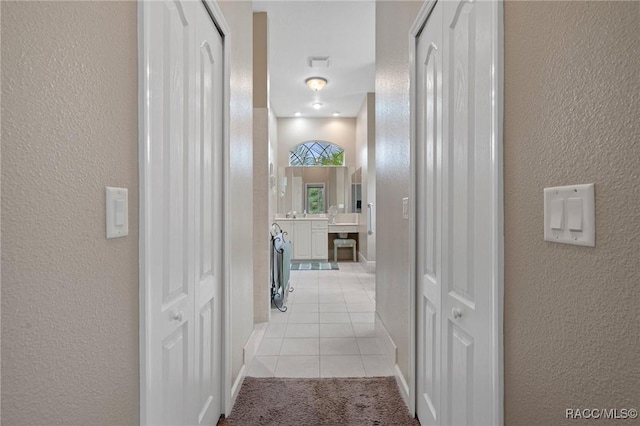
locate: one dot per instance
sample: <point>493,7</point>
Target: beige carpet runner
<point>310,402</point>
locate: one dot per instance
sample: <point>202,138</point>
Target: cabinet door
<point>302,240</point>
<point>319,242</point>
<point>287,227</point>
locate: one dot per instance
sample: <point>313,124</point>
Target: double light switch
<point>569,215</point>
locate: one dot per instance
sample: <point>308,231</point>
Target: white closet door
<point>208,219</point>
<point>429,221</point>
<point>181,214</point>
<point>470,219</point>
<point>459,241</point>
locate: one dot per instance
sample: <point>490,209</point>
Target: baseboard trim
<point>368,265</point>
<point>390,350</point>
<point>386,343</point>
<point>237,384</point>
<point>248,353</point>
<point>402,385</point>
<point>251,347</point>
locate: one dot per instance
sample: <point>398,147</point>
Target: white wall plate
<point>117,212</point>
<point>570,215</point>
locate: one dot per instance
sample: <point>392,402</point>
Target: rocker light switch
<point>119,212</point>
<point>574,214</point>
<point>557,214</point>
<point>117,206</point>
<point>569,215</point>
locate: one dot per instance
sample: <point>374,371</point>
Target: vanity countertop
<point>300,218</point>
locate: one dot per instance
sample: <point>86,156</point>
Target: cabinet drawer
<point>343,228</point>
<point>319,224</point>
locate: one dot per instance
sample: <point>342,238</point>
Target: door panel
<point>458,212</point>
<point>175,361</point>
<point>461,138</point>
<point>461,375</point>
<point>208,228</point>
<point>182,211</point>
<point>470,223</point>
<point>429,199</point>
<point>206,367</point>
<point>170,286</point>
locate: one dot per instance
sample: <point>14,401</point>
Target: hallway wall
<point>393,20</point>
<point>69,296</point>
<point>239,15</point>
<point>262,216</point>
<point>572,115</point>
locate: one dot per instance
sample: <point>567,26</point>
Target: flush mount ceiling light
<point>316,105</point>
<point>298,114</point>
<point>316,83</point>
<point>336,114</point>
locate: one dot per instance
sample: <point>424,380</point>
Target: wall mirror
<point>315,189</point>
<point>356,191</point>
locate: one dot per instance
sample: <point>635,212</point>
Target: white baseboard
<point>402,385</point>
<point>235,388</point>
<point>251,347</point>
<point>385,342</point>
<point>368,265</point>
<point>248,353</point>
<point>390,350</point>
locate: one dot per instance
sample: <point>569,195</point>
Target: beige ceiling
<point>341,30</point>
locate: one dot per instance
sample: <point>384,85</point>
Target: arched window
<point>316,153</point>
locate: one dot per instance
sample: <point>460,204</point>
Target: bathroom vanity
<point>308,236</point>
<point>312,236</point>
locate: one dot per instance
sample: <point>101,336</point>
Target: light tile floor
<point>327,331</point>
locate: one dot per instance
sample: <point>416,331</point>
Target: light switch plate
<point>117,212</point>
<point>577,204</point>
<point>405,208</point>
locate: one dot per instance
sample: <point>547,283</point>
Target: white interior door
<point>461,301</point>
<point>429,221</point>
<point>181,214</point>
<point>208,219</point>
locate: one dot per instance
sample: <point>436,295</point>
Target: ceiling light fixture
<point>298,114</point>
<point>316,105</point>
<point>316,83</point>
<point>336,114</point>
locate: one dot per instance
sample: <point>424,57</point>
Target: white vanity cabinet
<point>301,239</point>
<point>308,237</point>
<point>319,240</point>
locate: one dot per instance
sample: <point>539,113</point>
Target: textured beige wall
<point>260,63</point>
<point>261,218</point>
<point>261,190</point>
<point>572,115</point>
<point>0,238</point>
<point>393,20</point>
<point>239,15</point>
<point>69,296</point>
<point>294,131</point>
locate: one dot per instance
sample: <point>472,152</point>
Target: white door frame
<point>497,160</point>
<point>143,138</point>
